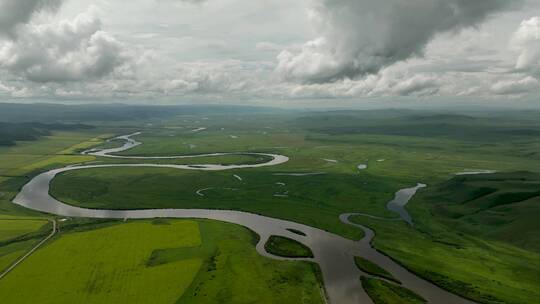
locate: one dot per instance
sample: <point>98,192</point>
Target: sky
<point>271,52</point>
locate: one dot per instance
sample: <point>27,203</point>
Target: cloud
<point>419,85</point>
<point>266,46</point>
<point>12,91</point>
<point>360,37</point>
<point>526,41</point>
<point>16,12</point>
<point>354,51</point>
<point>70,50</point>
<point>516,87</point>
<point>391,81</point>
<point>193,1</point>
<point>209,78</point>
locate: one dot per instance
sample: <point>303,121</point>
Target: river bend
<point>333,253</point>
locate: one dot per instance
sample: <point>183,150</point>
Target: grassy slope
<point>285,247</point>
<point>502,206</point>
<point>490,217</point>
<point>382,292</point>
<point>483,270</point>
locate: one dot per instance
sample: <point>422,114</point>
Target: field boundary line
<point>21,259</point>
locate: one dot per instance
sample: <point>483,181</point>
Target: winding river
<point>334,254</point>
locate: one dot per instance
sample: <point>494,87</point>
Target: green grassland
<point>17,235</point>
<point>479,236</point>
<point>21,229</point>
<point>50,151</point>
<point>106,265</point>
<point>11,133</point>
<point>28,158</point>
<point>237,159</point>
<point>502,207</point>
<point>233,266</point>
<point>111,143</point>
<point>14,228</point>
<point>400,150</point>
<point>481,244</point>
<point>315,200</point>
<point>222,258</point>
<point>496,214</point>
<point>288,248</point>
<point>158,261</point>
<point>373,269</point>
<point>382,292</point>
<point>9,253</point>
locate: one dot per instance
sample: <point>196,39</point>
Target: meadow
<point>485,270</point>
<point>500,206</point>
<point>55,150</point>
<point>17,235</point>
<point>382,292</point>
<point>399,149</point>
<point>285,247</point>
<point>21,229</point>
<point>106,265</point>
<point>14,228</point>
<point>237,159</point>
<point>232,266</point>
<point>160,261</point>
<point>26,159</point>
<point>373,269</point>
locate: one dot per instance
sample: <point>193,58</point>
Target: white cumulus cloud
<point>516,87</point>
<point>360,37</point>
<point>526,41</point>
<point>70,50</point>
